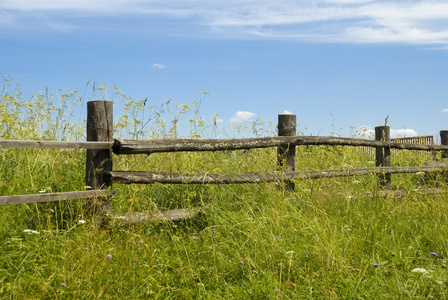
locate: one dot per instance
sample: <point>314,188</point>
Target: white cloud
<point>287,112</point>
<point>158,66</point>
<point>398,133</point>
<point>351,21</point>
<point>242,116</point>
<point>445,110</point>
<point>369,132</point>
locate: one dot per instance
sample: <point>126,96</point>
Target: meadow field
<point>337,238</point>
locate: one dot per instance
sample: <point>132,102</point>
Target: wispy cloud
<point>351,21</point>
<point>158,66</point>
<point>445,110</point>
<point>242,116</point>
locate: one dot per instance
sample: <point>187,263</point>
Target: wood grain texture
<point>47,197</point>
<point>55,145</point>
<point>156,146</point>
<point>99,129</point>
<point>160,216</point>
<point>129,177</point>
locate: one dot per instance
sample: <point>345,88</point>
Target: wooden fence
<point>286,152</point>
<point>100,146</point>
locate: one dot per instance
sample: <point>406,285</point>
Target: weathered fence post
<point>444,141</point>
<point>382,133</point>
<point>286,154</point>
<point>99,129</point>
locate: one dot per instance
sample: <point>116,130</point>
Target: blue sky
<point>334,63</point>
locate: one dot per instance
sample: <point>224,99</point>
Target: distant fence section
<point>100,146</point>
<point>420,140</point>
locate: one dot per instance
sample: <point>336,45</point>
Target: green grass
<point>253,241</point>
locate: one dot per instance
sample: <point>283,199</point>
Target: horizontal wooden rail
<point>55,145</point>
<point>129,177</point>
<point>160,216</point>
<point>34,198</point>
<point>154,146</point>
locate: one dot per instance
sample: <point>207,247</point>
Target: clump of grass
<point>331,238</point>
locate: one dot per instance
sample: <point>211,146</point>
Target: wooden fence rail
<point>141,177</point>
<point>35,198</point>
<point>157,146</point>
<point>55,145</point>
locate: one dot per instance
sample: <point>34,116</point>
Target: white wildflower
<point>81,222</point>
<point>45,190</point>
<point>419,270</point>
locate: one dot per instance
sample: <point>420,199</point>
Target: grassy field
<point>330,239</point>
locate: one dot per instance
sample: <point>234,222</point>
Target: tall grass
<point>330,239</point>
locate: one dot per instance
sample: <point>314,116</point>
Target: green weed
<point>333,238</point>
